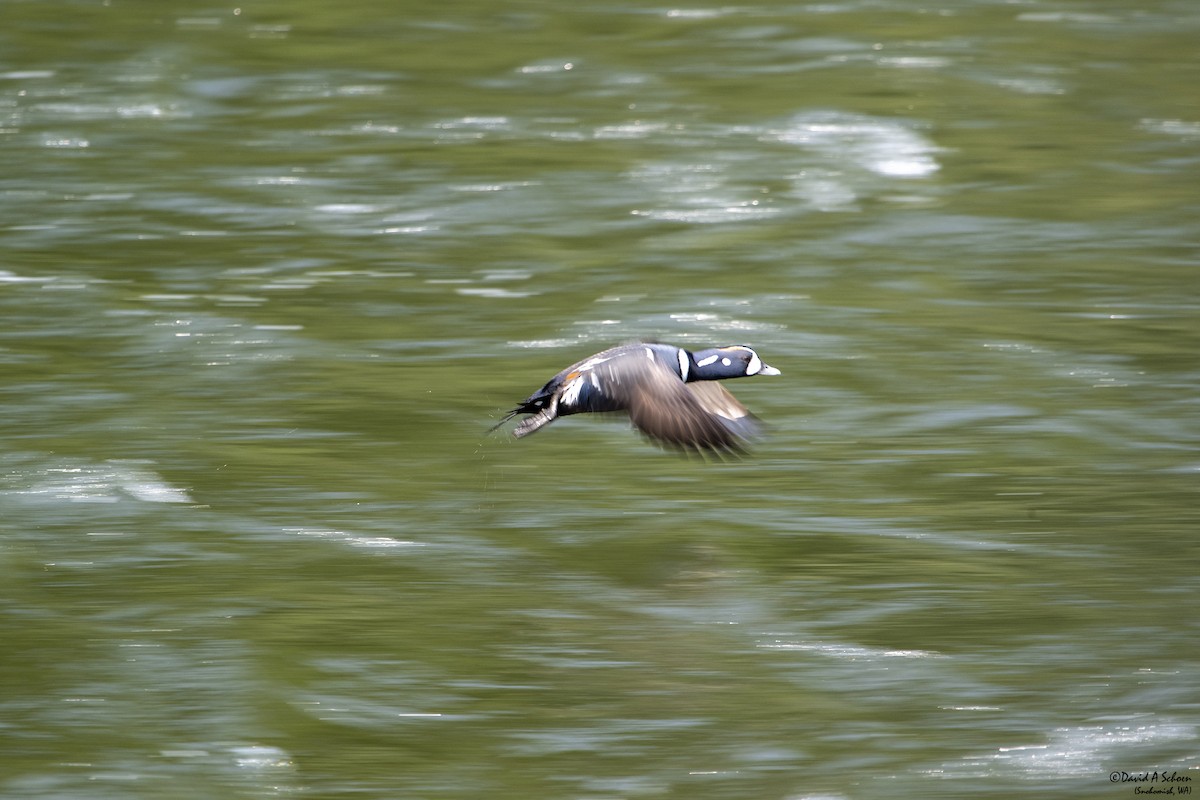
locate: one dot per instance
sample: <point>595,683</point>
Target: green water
<point>268,273</point>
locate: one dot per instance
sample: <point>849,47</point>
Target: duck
<point>672,395</point>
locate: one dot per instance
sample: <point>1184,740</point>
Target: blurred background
<point>269,272</point>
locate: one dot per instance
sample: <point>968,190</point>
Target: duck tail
<point>538,420</point>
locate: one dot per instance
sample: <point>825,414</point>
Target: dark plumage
<point>670,394</point>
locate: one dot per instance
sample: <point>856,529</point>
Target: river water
<point>268,274</point>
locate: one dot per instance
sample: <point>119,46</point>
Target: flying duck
<point>670,394</point>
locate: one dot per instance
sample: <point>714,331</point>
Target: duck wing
<point>692,416</point>
<point>720,402</point>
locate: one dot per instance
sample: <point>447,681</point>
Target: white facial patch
<point>726,361</point>
<point>704,362</point>
<point>755,364</point>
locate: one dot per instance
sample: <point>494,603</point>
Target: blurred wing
<point>720,402</point>
<point>700,416</point>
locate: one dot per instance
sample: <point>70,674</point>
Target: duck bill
<point>768,371</point>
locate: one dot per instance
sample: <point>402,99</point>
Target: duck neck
<point>700,365</point>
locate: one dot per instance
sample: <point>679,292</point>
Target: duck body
<point>670,393</point>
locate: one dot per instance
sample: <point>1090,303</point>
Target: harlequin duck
<point>670,394</point>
